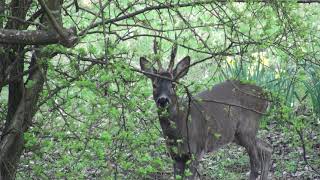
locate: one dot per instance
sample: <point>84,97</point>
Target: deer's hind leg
<point>249,142</point>
<point>264,151</point>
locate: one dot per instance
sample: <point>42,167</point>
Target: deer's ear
<point>146,66</point>
<point>182,68</point>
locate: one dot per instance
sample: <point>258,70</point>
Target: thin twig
<point>300,133</point>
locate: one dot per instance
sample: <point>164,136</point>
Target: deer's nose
<point>163,101</point>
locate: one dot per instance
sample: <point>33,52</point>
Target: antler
<point>155,51</point>
<point>173,56</point>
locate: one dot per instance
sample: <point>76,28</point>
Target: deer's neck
<point>168,122</point>
<point>173,131</point>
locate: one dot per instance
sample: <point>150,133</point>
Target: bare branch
<point>66,39</point>
<point>172,5</point>
<point>31,37</point>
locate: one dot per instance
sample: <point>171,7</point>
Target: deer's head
<point>164,95</point>
<point>163,81</point>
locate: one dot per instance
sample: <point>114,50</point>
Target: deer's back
<point>235,92</point>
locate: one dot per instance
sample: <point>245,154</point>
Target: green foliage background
<point>97,119</point>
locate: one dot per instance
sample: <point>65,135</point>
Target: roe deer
<point>229,112</point>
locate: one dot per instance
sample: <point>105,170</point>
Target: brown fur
<point>229,112</point>
<point>213,124</point>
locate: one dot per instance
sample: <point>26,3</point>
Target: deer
<point>229,112</point>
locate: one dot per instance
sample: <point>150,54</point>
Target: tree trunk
<point>22,101</point>
<point>2,65</point>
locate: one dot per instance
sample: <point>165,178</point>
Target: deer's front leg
<point>181,164</point>
<point>179,168</point>
<point>185,169</point>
